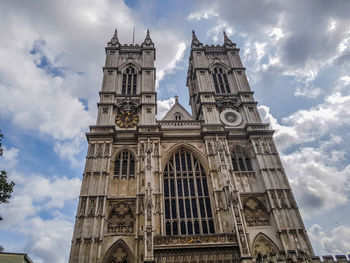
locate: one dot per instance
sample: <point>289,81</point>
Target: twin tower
<point>190,188</point>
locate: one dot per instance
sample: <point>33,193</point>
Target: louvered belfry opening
<point>186,196</point>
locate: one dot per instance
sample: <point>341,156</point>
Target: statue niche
<point>121,218</point>
<point>255,212</point>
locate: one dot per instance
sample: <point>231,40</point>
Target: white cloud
<point>48,240</point>
<point>60,54</point>
<point>171,66</point>
<point>164,106</point>
<point>318,183</point>
<point>308,92</point>
<point>337,242</point>
<point>9,158</point>
<point>204,14</point>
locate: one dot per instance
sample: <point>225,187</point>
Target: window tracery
<point>220,80</point>
<point>121,218</point>
<point>124,165</point>
<point>186,196</point>
<point>241,161</point>
<point>129,83</point>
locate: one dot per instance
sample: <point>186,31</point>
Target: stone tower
<point>206,187</point>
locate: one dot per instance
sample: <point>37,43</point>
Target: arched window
<point>186,196</point>
<point>129,81</point>
<point>240,161</point>
<point>178,116</point>
<point>220,80</point>
<point>124,164</point>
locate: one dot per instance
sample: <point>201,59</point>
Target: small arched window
<point>124,164</point>
<point>186,196</point>
<point>129,81</point>
<point>220,80</point>
<point>240,161</point>
<point>178,116</point>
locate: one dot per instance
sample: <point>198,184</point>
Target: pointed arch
<point>219,73</point>
<point>263,245</point>
<point>187,204</point>
<point>119,252</point>
<point>218,64</point>
<point>127,64</point>
<point>189,147</point>
<point>241,159</point>
<point>124,164</point>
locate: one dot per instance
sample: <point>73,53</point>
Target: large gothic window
<point>240,161</point>
<point>124,164</point>
<point>220,80</point>
<point>129,81</point>
<point>186,194</point>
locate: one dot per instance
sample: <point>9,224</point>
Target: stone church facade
<point>206,187</point>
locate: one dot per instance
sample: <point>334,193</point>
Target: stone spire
<point>114,41</point>
<point>148,40</point>
<point>227,41</point>
<point>195,41</point>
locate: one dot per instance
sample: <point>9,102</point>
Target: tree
<point>6,188</point>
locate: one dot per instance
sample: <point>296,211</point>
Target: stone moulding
<point>165,242</point>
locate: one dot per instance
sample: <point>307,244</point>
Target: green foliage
<point>6,188</point>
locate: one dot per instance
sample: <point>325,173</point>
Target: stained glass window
<point>186,195</point>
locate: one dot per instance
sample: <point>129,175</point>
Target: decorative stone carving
<point>227,103</point>
<point>148,202</point>
<point>263,246</point>
<point>255,212</point>
<point>290,198</point>
<point>282,198</point>
<point>274,199</point>
<point>119,253</point>
<point>107,150</point>
<point>141,206</point>
<point>127,105</point>
<point>99,150</point>
<point>149,238</point>
<point>210,147</point>
<point>121,217</point>
<point>202,239</point>
<point>156,149</point>
<point>100,206</point>
<point>91,150</point>
<point>82,206</point>
<point>92,206</point>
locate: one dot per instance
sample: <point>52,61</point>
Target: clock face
<point>231,117</point>
<point>126,119</point>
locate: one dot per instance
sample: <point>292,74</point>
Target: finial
<point>114,39</point>
<point>176,99</point>
<point>195,41</point>
<point>194,37</point>
<point>225,36</point>
<point>148,40</point>
<point>147,34</point>
<point>227,41</point>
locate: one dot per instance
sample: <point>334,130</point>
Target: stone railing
<point>257,127</point>
<point>113,229</point>
<point>195,240</point>
<point>183,124</point>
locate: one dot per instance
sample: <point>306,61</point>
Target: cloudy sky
<point>297,55</point>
